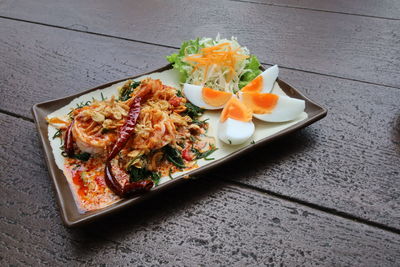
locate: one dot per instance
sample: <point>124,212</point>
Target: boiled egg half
<point>271,107</point>
<point>235,125</point>
<point>204,97</point>
<point>264,82</point>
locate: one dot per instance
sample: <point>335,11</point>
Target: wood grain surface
<point>352,155</point>
<point>321,42</point>
<point>42,63</point>
<point>328,195</point>
<point>387,9</point>
<point>354,150</point>
<point>202,222</point>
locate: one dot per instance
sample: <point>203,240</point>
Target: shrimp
<point>89,138</point>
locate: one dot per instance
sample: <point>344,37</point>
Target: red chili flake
<point>187,155</point>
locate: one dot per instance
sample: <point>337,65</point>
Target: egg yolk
<point>260,103</point>
<point>255,85</point>
<point>215,98</point>
<point>236,110</point>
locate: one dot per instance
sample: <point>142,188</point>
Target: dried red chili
<point>123,136</point>
<point>69,141</point>
<point>128,188</point>
<point>127,129</point>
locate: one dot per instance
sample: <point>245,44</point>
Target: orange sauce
<point>57,120</point>
<point>91,193</point>
<point>77,179</point>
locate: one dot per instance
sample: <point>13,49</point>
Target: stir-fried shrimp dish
<point>121,146</point>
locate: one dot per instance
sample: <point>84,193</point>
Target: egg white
<point>194,94</point>
<point>234,132</point>
<point>269,77</point>
<point>286,109</point>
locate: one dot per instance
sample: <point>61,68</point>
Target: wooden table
<point>327,195</point>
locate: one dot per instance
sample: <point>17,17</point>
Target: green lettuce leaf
<point>252,70</point>
<point>187,48</point>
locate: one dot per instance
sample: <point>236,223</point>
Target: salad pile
<point>220,74</point>
<point>221,64</point>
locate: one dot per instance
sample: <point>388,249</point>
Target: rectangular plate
<point>69,210</point>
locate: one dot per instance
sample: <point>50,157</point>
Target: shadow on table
<point>181,201</point>
<point>258,164</point>
<point>150,216</point>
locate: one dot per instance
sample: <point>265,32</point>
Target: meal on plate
<point>119,146</point>
<point>221,74</point>
<point>124,144</point>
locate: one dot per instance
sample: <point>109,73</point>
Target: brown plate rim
<point>83,218</point>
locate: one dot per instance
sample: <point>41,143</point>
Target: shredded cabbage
<point>223,77</point>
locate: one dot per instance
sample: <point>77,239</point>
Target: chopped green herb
<point>170,175</point>
<point>126,91</point>
<point>83,104</point>
<point>230,142</point>
<point>136,159</point>
<point>79,105</point>
<point>70,114</point>
<point>57,134</point>
<point>135,84</point>
<point>105,130</point>
<point>192,138</point>
<point>193,111</point>
<point>204,155</point>
<point>179,93</point>
<point>175,162</point>
<point>83,156</point>
<point>173,156</point>
<point>181,144</point>
<point>155,176</point>
<point>156,180</point>
<point>252,142</point>
<point>137,174</point>
<point>102,97</point>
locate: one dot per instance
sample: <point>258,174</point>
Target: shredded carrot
<point>57,120</point>
<point>221,55</point>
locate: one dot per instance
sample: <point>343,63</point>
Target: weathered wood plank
<point>201,222</point>
<point>348,161</point>
<point>354,47</point>
<point>384,9</point>
<point>42,63</point>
